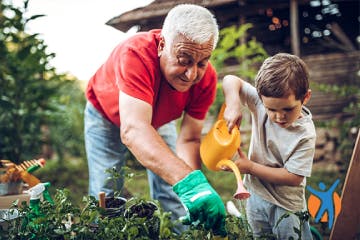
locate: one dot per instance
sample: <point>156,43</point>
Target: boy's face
<point>284,111</point>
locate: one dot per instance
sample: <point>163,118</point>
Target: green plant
<point>66,125</point>
<point>349,126</point>
<point>33,97</point>
<point>27,84</point>
<point>64,220</point>
<point>246,55</point>
<point>141,219</point>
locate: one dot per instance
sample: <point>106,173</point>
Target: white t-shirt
<point>291,148</point>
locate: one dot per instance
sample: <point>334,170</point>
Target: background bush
<point>40,110</point>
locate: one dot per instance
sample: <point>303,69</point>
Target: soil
<point>112,202</point>
<point>142,210</point>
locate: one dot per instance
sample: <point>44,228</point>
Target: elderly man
<point>148,81</point>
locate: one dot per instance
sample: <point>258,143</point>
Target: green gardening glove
<point>201,202</point>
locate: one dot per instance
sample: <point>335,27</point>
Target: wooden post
<point>347,224</point>
<point>294,26</point>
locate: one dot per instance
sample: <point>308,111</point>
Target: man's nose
<point>191,73</point>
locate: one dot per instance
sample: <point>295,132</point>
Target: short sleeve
<point>300,162</point>
<point>133,76</point>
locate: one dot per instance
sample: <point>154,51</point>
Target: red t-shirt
<point>134,68</point>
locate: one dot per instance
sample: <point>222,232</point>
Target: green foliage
<point>64,220</point>
<point>67,220</point>
<point>247,55</point>
<point>349,126</point>
<point>140,219</point>
<point>27,84</point>
<point>33,97</point>
<point>66,125</point>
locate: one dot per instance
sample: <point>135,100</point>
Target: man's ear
<point>161,45</point>
<point>307,97</point>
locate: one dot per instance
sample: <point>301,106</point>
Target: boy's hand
<point>243,163</point>
<point>232,116</point>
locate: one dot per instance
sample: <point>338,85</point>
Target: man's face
<point>183,63</point>
<point>284,111</point>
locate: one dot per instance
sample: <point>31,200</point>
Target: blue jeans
<point>263,217</point>
<point>105,150</point>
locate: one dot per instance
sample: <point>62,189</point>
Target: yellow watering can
<point>218,147</point>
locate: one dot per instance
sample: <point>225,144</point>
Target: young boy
<point>282,143</point>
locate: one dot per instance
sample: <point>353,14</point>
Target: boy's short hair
<point>282,75</point>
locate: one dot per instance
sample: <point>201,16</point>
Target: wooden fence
<point>334,69</point>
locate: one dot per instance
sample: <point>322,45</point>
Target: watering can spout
<point>241,193</point>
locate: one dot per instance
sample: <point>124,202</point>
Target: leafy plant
<point>234,49</point>
<point>34,99</point>
<point>27,84</point>
<point>140,219</point>
<point>231,50</point>
<point>349,126</point>
<point>66,124</point>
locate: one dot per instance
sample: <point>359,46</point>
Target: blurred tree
<point>31,100</point>
<point>66,129</point>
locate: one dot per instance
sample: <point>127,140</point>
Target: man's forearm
<point>189,152</point>
<point>153,153</point>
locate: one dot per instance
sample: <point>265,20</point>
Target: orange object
<point>314,204</point>
<point>218,147</point>
<point>28,178</point>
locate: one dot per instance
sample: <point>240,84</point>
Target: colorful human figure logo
<point>324,205</point>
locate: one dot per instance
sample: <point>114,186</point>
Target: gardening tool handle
<point>102,200</point>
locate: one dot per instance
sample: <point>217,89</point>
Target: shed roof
<point>148,16</point>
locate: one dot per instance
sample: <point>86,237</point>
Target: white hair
<point>194,22</point>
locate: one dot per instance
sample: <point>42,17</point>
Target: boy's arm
<point>279,176</point>
<point>231,87</point>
